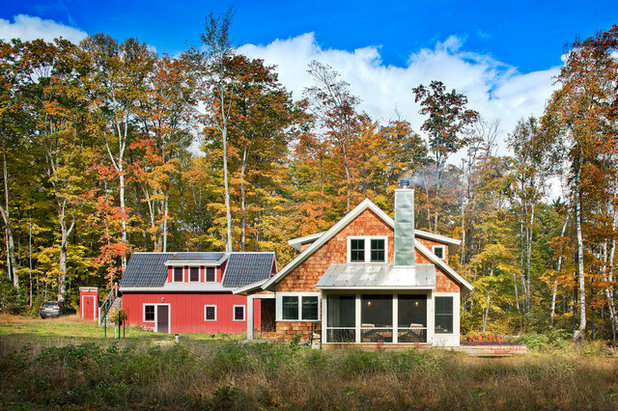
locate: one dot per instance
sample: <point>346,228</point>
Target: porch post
<point>250,300</point>
<point>430,318</point>
<point>357,320</point>
<point>324,316</point>
<point>395,318</point>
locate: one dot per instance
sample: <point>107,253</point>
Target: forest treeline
<point>108,148</point>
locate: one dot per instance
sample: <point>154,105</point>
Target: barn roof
<point>149,270</point>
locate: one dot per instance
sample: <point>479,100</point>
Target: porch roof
<point>378,276</point>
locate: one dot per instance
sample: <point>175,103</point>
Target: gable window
<point>149,313</point>
<point>377,250</point>
<point>357,250</point>
<point>444,315</point>
<point>367,249</point>
<point>299,307</point>
<point>438,250</point>
<point>194,274</point>
<point>239,313</point>
<point>210,274</point>
<point>178,274</point>
<point>210,313</point>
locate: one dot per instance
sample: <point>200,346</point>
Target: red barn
<point>192,292</point>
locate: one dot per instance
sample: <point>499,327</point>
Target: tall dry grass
<point>232,375</point>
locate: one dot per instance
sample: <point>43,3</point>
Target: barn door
<point>163,319</point>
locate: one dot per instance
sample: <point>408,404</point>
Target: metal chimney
<point>404,225</point>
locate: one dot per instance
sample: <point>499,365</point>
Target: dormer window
<point>210,274</point>
<point>367,249</point>
<point>194,274</point>
<point>438,250</point>
<point>178,274</point>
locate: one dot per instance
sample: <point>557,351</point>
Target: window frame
<point>154,313</point>
<point>244,311</point>
<point>207,306</point>
<point>182,270</point>
<point>214,275</point>
<point>191,273</point>
<point>442,247</point>
<point>452,314</point>
<point>367,240</point>
<point>300,296</point>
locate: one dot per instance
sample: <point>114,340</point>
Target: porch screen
<point>377,318</point>
<point>341,315</point>
<point>412,318</point>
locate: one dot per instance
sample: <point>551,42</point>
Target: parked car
<point>56,309</point>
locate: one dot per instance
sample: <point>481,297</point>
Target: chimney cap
<point>404,183</point>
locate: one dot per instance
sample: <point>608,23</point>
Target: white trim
<point>297,243</point>
<point>436,237</point>
<point>300,295</point>
<point>249,287</point>
<point>348,218</point>
<point>368,239</point>
<point>94,305</point>
<point>144,320</point>
<point>210,305</point>
<point>442,247</point>
<point>244,309</point>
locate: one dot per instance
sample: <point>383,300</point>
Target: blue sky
<point>529,35</point>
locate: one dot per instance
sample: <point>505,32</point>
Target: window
<point>377,250</point>
<point>290,308</point>
<point>299,307</point>
<point>357,250</point>
<point>444,315</point>
<point>210,274</point>
<point>149,313</point>
<point>239,313</point>
<point>310,308</point>
<point>438,250</point>
<point>412,318</point>
<point>178,274</point>
<point>210,313</point>
<point>195,274</point>
<point>367,250</point>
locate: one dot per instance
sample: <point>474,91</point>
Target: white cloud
<point>497,90</point>
<point>28,28</point>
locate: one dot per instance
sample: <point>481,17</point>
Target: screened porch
<point>375,318</point>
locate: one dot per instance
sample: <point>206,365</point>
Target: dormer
<point>196,268</point>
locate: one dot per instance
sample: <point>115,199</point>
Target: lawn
<point>66,363</point>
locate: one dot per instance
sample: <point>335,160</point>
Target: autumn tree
<point>448,116</point>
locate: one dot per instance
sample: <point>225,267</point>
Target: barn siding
<point>187,311</point>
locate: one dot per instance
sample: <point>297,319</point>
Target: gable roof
<point>247,268</point>
<point>148,271</point>
<point>367,204</point>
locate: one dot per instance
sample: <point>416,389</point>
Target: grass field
<point>66,363</point>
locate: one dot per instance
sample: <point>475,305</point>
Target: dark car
<point>56,309</point>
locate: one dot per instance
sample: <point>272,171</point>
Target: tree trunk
<point>228,213</point>
<point>609,291</point>
<point>6,217</point>
<point>243,211</point>
<point>580,252</point>
<point>65,232</point>
<point>558,268</point>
